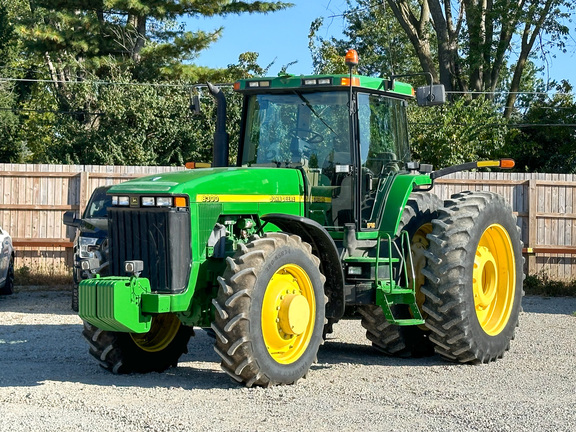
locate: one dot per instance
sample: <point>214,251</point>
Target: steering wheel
<point>312,137</point>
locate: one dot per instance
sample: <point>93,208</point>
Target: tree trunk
<point>416,31</point>
<point>528,39</point>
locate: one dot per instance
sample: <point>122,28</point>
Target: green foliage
<point>92,59</point>
<point>146,36</point>
<point>541,284</point>
<point>128,123</point>
<point>372,30</point>
<point>545,141</point>
<point>458,132</point>
<point>10,147</point>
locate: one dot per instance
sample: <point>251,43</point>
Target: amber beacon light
<point>351,58</point>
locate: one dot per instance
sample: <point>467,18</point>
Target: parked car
<point>6,263</point>
<point>91,242</point>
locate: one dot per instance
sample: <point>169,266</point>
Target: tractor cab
<point>348,137</point>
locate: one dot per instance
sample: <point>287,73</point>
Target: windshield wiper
<point>311,108</point>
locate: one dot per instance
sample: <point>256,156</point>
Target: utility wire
<point>47,81</point>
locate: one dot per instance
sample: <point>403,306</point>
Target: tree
<point>11,148</point>
<point>478,46</point>
<point>73,47</point>
<point>458,132</point>
<point>133,123</point>
<point>546,139</point>
<point>374,33</point>
<point>474,38</point>
<point>72,38</point>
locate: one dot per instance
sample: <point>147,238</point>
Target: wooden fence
<point>34,198</point>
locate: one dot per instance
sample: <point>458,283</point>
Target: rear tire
<point>475,273</point>
<point>406,341</point>
<point>270,311</point>
<point>155,351</point>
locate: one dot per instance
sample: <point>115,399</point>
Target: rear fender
<point>397,198</point>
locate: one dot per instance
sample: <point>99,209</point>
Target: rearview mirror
<point>431,95</point>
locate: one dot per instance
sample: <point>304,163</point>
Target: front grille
<point>160,237</point>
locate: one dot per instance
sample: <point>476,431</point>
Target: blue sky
<point>282,37</point>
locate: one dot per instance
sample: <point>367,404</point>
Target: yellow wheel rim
<point>288,314</point>
<point>494,279</point>
<point>162,331</point>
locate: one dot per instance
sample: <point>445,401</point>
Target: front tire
<point>475,273</point>
<point>155,351</point>
<point>270,311</point>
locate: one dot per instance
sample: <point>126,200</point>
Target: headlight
<point>84,244</point>
<point>164,201</point>
<point>148,202</point>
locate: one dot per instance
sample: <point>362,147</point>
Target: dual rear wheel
<point>468,267</point>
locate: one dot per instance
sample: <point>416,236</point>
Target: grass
<point>43,275</point>
<point>542,285</point>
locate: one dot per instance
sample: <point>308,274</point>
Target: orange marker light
<point>179,202</point>
<point>351,58</point>
<point>237,85</point>
<point>507,163</point>
<point>346,81</point>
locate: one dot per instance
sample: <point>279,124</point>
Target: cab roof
<point>322,83</point>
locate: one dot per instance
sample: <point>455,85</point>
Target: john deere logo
<point>134,202</point>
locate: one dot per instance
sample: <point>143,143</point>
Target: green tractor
<point>323,217</point>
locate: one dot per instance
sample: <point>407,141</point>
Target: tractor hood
<point>221,184</point>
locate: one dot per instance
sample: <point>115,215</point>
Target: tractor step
<point>387,297</point>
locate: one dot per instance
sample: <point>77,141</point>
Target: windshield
<point>98,205</point>
<point>298,128</point>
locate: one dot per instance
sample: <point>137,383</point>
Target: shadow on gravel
<point>33,354</point>
<point>334,352</point>
<point>45,302</point>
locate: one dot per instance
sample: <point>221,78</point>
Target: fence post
<point>84,192</point>
<point>532,223</point>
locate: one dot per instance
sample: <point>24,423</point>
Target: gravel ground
<point>48,382</point>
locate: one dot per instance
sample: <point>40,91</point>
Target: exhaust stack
<point>221,137</point>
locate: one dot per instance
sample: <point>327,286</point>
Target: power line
<point>46,111</point>
<point>500,93</point>
<point>47,81</point>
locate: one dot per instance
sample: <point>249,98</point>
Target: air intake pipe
<point>221,137</point>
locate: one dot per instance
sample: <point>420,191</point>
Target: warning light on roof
<point>351,58</point>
